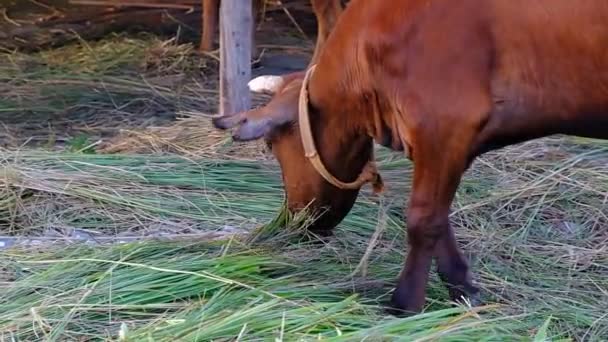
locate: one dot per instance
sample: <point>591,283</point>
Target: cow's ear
<point>256,123</point>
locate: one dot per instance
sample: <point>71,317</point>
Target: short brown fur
<point>445,81</point>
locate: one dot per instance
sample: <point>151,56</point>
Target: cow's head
<point>344,156</point>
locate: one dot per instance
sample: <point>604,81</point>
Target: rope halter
<point>368,174</point>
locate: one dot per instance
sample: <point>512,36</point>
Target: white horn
<point>268,84</point>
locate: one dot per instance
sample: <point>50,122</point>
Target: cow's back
<point>543,62</point>
<point>552,53</point>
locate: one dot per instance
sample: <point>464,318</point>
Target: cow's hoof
<point>404,305</point>
<point>471,296</point>
<point>392,310</point>
<point>466,293</point>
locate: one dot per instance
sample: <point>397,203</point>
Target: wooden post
<point>236,23</point>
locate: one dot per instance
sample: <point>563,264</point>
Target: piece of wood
<point>142,4</point>
<point>236,23</point>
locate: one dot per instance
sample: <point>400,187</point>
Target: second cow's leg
<point>209,18</point>
<point>256,6</point>
<point>437,173</point>
<point>327,13</point>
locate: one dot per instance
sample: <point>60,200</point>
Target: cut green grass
<point>210,292</point>
<point>531,217</point>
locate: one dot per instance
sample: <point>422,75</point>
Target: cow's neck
<point>340,137</point>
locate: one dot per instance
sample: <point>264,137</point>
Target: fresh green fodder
<point>206,291</point>
<point>531,218</point>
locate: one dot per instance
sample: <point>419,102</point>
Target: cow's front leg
<point>454,270</point>
<point>440,159</point>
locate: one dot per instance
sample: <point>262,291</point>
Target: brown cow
<point>326,11</point>
<point>444,81</point>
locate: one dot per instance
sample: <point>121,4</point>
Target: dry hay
<point>191,137</point>
<point>96,89</point>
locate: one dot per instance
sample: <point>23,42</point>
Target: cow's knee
<point>425,227</point>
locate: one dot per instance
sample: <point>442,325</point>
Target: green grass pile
<point>532,219</point>
<point>114,192</point>
<point>203,291</point>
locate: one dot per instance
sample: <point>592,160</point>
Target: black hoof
<point>469,294</point>
<point>392,310</point>
<point>322,233</point>
<point>403,305</point>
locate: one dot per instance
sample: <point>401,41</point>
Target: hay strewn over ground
<point>193,137</point>
<point>532,218</point>
<point>110,142</point>
<point>97,88</point>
